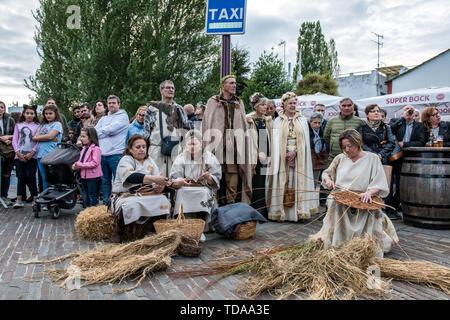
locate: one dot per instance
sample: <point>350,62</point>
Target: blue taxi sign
<point>226,16</point>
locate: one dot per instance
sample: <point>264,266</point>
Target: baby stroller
<point>64,188</point>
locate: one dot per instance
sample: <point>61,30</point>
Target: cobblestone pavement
<point>24,238</point>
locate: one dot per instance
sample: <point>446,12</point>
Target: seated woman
<point>434,127</point>
<point>196,176</point>
<point>356,170</point>
<point>137,169</point>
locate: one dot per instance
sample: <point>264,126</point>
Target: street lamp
<point>283,43</point>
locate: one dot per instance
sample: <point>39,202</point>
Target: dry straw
<point>433,275</point>
<point>115,263</point>
<point>96,223</point>
<point>341,272</point>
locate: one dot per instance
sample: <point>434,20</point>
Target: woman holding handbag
<point>377,136</point>
<point>6,151</point>
<point>291,193</point>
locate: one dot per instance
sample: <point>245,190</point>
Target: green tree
<point>314,55</point>
<point>123,47</point>
<point>314,83</point>
<point>268,78</point>
<point>240,67</point>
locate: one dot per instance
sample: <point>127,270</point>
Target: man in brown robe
<point>225,134</point>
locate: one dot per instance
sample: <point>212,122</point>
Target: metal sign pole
<point>226,55</point>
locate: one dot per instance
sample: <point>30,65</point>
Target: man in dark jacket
<point>409,133</point>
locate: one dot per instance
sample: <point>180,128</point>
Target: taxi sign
<point>226,16</point>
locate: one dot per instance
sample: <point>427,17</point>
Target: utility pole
<point>283,43</point>
<point>380,44</point>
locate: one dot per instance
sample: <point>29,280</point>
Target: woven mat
<point>351,199</point>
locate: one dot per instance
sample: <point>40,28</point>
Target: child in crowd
<point>71,133</point>
<point>48,135</point>
<point>89,165</point>
<point>25,149</point>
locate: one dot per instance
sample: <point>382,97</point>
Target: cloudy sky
<point>413,30</point>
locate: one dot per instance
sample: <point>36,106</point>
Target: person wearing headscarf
<point>291,165</point>
<point>260,129</point>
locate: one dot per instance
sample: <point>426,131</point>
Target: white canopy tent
<point>418,98</point>
<point>306,104</point>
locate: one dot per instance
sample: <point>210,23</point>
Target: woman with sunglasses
<point>377,136</point>
<point>431,119</point>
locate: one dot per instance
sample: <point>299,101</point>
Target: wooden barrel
<point>425,187</point>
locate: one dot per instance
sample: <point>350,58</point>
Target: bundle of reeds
<point>116,262</point>
<point>96,223</point>
<point>421,272</point>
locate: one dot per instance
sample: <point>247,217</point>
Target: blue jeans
<point>90,191</point>
<point>109,167</point>
<point>42,173</point>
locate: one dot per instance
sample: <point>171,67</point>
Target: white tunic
<point>301,177</point>
<point>342,224</point>
<point>137,206</point>
<point>196,199</point>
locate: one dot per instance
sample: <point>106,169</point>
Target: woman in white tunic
<point>291,165</point>
<point>356,170</point>
<point>136,169</point>
<point>191,168</point>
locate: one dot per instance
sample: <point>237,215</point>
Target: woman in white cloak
<point>137,169</point>
<point>356,170</point>
<point>196,176</point>
<point>291,165</point>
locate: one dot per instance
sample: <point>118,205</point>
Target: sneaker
<point>18,204</point>
<point>7,201</point>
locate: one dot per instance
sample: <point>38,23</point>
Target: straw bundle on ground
<point>335,273</point>
<point>96,223</point>
<point>432,275</point>
<point>115,263</point>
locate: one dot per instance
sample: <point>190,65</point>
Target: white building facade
<point>432,73</point>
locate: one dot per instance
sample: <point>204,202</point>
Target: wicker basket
<point>351,199</point>
<point>246,231</point>
<point>190,227</point>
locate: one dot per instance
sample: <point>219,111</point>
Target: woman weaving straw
<point>196,175</point>
<point>291,166</point>
<point>131,201</point>
<point>356,170</point>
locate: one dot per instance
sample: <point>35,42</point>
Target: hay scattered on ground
<point>421,272</point>
<point>335,273</point>
<point>96,223</point>
<point>115,263</point>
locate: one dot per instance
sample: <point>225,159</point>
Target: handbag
<point>289,196</point>
<point>319,160</point>
<point>7,150</point>
<point>167,144</point>
<point>397,153</point>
